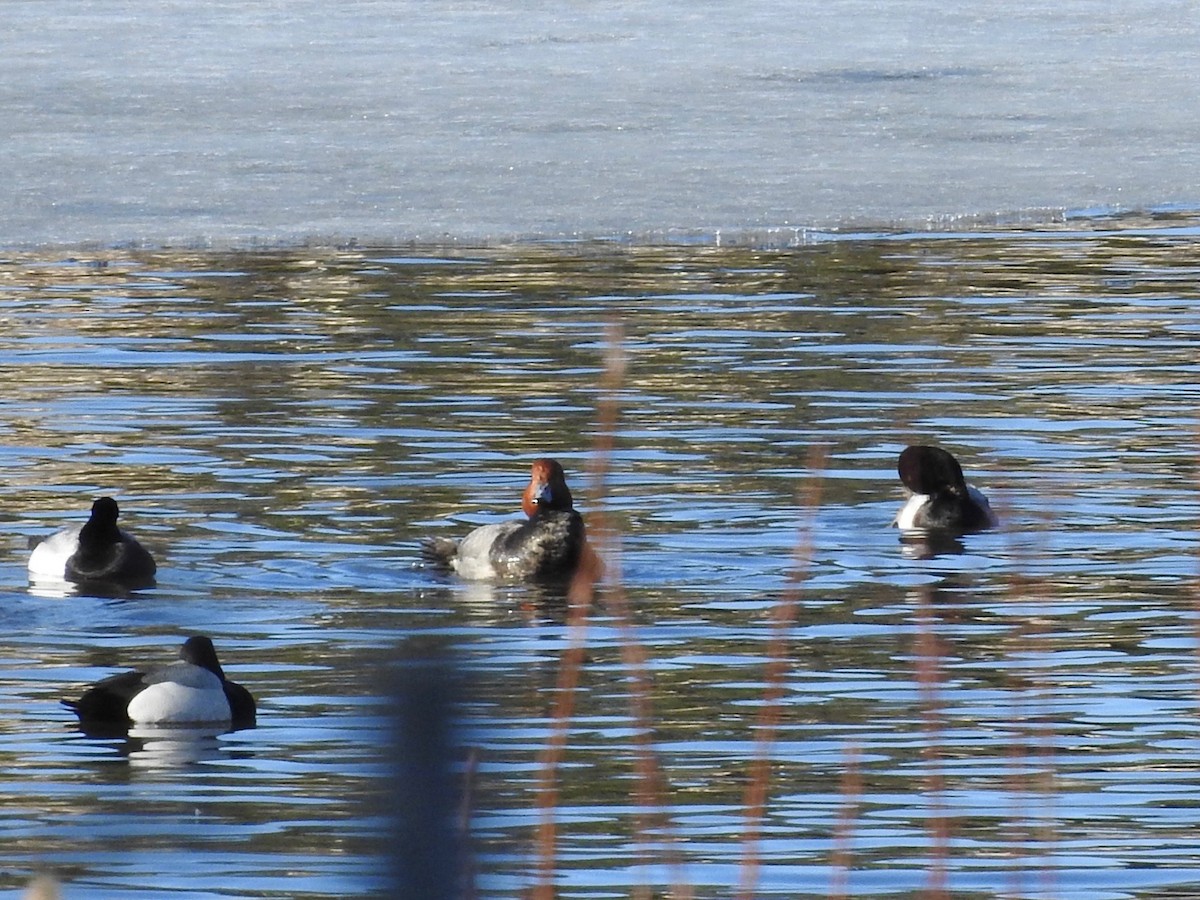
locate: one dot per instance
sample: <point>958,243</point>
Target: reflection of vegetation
<point>316,377</point>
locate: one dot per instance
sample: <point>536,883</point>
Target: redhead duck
<point>942,500</point>
<point>190,692</point>
<point>96,552</point>
<point>546,545</point>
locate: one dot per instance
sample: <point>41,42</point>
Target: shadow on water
<point>284,428</point>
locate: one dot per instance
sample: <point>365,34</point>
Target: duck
<point>192,691</point>
<point>95,552</point>
<point>941,498</point>
<point>548,544</point>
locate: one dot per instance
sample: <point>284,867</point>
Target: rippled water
<point>282,428</point>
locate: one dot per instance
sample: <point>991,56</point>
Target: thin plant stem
<point>783,614</point>
<point>1031,755</point>
<point>562,713</point>
<point>650,785</point>
<point>470,889</point>
<point>928,662</point>
<point>850,789</point>
<point>601,563</point>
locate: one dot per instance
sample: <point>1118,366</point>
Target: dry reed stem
<point>650,784</point>
<point>1019,754</point>
<point>778,665</point>
<point>42,887</point>
<point>928,659</point>
<point>602,561</point>
<point>850,787</point>
<point>469,778</point>
<point>562,712</point>
<point>1037,745</point>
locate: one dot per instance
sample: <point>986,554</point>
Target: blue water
<point>281,428</point>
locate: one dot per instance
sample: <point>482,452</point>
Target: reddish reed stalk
<point>650,784</point>
<point>1037,745</point>
<point>929,657</point>
<point>778,666</point>
<point>603,561</point>
<point>551,756</point>
<point>850,789</point>
<point>1019,754</point>
<point>562,713</point>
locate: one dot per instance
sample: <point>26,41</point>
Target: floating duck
<point>941,498</point>
<point>192,691</point>
<point>548,544</point>
<point>97,552</point>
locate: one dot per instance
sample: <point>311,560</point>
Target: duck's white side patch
<point>906,518</point>
<point>474,557</point>
<point>49,558</point>
<point>200,697</point>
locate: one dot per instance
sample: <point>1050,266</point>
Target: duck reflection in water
<point>169,746</point>
<point>534,602</point>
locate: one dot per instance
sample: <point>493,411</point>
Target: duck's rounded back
<point>97,553</point>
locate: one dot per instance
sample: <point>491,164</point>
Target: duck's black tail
<point>438,552</point>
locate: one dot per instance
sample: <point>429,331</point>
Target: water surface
<point>283,427</point>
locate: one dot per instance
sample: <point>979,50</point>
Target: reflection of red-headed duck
<point>548,544</point>
<point>942,500</point>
